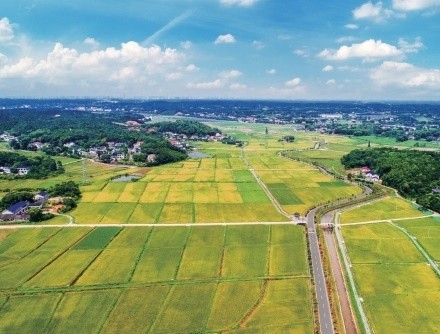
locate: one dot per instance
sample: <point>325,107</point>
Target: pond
<point>126,178</point>
<point>198,155</point>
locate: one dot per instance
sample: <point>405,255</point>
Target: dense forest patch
<point>413,173</point>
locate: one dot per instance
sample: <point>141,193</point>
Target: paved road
<point>344,299</point>
<point>324,312</point>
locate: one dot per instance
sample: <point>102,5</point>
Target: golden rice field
<point>400,291</point>
<point>297,186</point>
<point>237,279</point>
<point>383,209</point>
<point>209,190</point>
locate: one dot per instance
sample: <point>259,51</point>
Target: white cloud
<point>6,30</point>
<point>352,26</point>
<point>207,85</point>
<point>3,58</point>
<point>271,71</point>
<point>237,86</point>
<point>230,74</point>
<point>243,3</point>
<point>327,68</point>
<point>369,49</point>
<point>410,5</point>
<point>293,83</point>
<point>405,75</point>
<point>186,45</point>
<point>173,76</point>
<point>91,42</point>
<point>303,52</point>
<point>125,73</point>
<point>228,38</point>
<point>296,92</point>
<point>129,64</point>
<point>346,39</point>
<point>370,11</point>
<point>284,37</point>
<point>348,68</point>
<point>410,48</point>
<point>258,45</point>
<point>220,82</point>
<point>331,82</point>
<point>192,68</point>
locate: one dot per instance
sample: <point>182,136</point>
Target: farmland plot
<point>398,288</point>
<point>162,279</point>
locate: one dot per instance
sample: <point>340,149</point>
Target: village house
<point>69,145</point>
<point>9,170</point>
<point>41,196</point>
<point>17,211</point>
<point>36,144</point>
<point>6,137</point>
<point>20,210</point>
<point>5,170</point>
<point>23,171</point>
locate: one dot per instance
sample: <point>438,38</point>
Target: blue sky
<point>271,49</point>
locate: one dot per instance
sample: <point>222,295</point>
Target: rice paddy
<point>384,209</point>
<point>194,191</point>
<point>159,279</point>
<point>185,279</point>
<point>398,287</point>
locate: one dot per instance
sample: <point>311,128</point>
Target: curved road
<point>324,311</point>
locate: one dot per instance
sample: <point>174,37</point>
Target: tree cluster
<point>187,127</point>
<point>85,129</point>
<point>39,166</point>
<point>14,197</point>
<point>65,189</point>
<point>413,173</point>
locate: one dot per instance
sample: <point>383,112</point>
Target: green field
<point>427,232</point>
<point>209,190</point>
<point>297,186</point>
<point>400,291</point>
<point>215,279</point>
<point>161,280</point>
<point>387,208</point>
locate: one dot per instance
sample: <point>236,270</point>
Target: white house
<point>23,171</point>
<point>5,170</point>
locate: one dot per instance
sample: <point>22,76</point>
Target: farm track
<point>387,220</point>
<point>265,189</point>
<point>126,285</point>
<point>22,226</point>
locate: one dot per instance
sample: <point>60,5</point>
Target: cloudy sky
<point>275,49</point>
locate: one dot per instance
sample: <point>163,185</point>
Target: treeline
<point>187,127</point>
<point>39,167</point>
<point>413,173</point>
<point>55,129</point>
<point>376,130</point>
<point>85,129</point>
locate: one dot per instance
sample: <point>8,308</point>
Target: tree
<point>66,189</point>
<point>139,157</point>
<point>289,138</point>
<point>105,158</point>
<point>69,204</point>
<point>14,197</point>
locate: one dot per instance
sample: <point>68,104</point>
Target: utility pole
<point>84,172</point>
